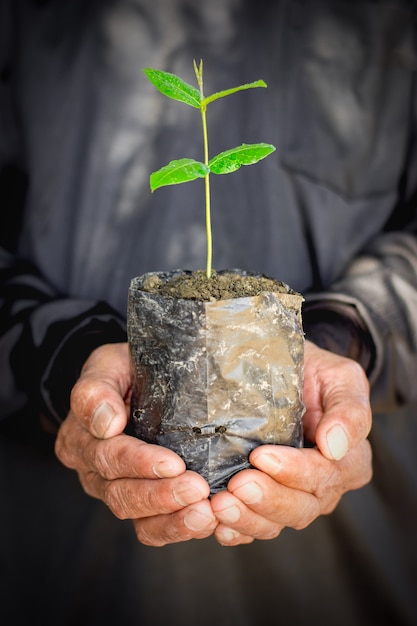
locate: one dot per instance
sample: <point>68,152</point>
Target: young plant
<point>185,170</point>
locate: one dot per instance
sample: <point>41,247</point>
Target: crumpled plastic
<point>214,380</point>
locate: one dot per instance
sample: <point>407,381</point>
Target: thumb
<point>338,415</point>
<point>100,397</point>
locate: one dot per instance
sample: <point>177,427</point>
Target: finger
<point>100,396</point>
<point>130,498</point>
<point>194,522</point>
<point>347,415</point>
<point>309,471</point>
<point>295,491</point>
<point>239,523</point>
<point>336,393</point>
<point>266,506</point>
<point>121,456</point>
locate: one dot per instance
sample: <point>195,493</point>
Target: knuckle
<point>363,420</point>
<point>63,452</point>
<point>328,482</point>
<point>78,393</point>
<point>88,483</point>
<point>106,456</point>
<point>116,499</point>
<point>133,498</point>
<point>59,449</point>
<point>147,539</point>
<point>160,533</point>
<point>365,475</point>
<point>114,459</point>
<point>85,396</point>
<point>357,371</point>
<point>308,513</point>
<point>155,498</point>
<point>102,463</point>
<point>331,505</point>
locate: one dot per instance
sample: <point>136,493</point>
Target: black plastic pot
<point>214,380</point>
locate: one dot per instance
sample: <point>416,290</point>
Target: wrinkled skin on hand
<point>150,485</point>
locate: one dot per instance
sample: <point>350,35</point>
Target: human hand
<point>139,481</point>
<point>295,486</point>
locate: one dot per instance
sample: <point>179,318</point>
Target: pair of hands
<point>167,503</point>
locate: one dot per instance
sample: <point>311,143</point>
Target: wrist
<point>66,364</point>
<point>338,327</point>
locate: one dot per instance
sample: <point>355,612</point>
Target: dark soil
<point>220,286</point>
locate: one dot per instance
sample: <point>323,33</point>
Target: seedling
<point>185,170</point>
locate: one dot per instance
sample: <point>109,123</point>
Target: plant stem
<point>207,193</point>
<point>203,108</point>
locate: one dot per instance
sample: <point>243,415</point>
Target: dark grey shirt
<point>331,212</point>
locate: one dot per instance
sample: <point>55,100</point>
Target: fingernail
<point>337,442</point>
<point>230,515</point>
<point>227,535</point>
<point>101,419</point>
<point>251,493</point>
<point>165,469</point>
<point>195,520</point>
<point>187,495</point>
<point>268,463</point>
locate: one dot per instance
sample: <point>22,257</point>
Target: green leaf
<point>228,92</point>
<point>246,154</point>
<point>174,87</point>
<point>180,171</point>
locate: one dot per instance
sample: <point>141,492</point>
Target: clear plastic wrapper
<point>214,380</point>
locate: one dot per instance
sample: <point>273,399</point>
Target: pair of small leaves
<point>174,87</point>
<point>185,170</point>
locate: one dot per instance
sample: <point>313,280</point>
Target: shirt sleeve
<point>44,340</point>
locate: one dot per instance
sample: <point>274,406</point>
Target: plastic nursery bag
<point>214,380</point>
